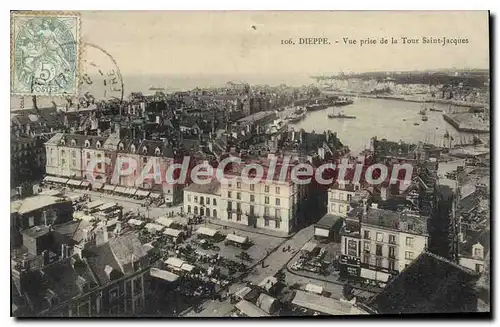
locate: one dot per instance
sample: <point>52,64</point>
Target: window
<point>392,252</point>
<point>132,148</point>
<point>409,255</point>
<point>366,259</point>
<point>99,162</point>
<point>121,146</point>
<point>378,262</point>
<point>214,201</point>
<point>189,209</point>
<point>349,197</point>
<point>238,207</point>
<point>31,221</point>
<point>195,210</point>
<point>367,247</point>
<point>266,188</point>
<point>367,234</point>
<point>252,210</point>
<point>229,194</point>
<point>277,190</point>
<point>215,213</point>
<point>87,143</point>
<point>195,199</point>
<point>238,217</point>
<point>73,143</point>
<point>252,187</point>
<point>479,267</point>
<point>252,198</point>
<point>277,202</point>
<point>278,223</point>
<point>202,202</point>
<point>98,145</point>
<point>409,241</point>
<point>229,206</point>
<point>391,265</point>
<point>378,249</point>
<point>266,222</point>
<point>113,294</point>
<point>238,196</point>
<point>380,237</point>
<point>477,252</point>
<point>392,239</point>
<point>266,200</point>
<point>157,151</point>
<point>238,185</point>
<point>266,211</point>
<point>277,213</point>
<point>137,286</point>
<point>189,197</point>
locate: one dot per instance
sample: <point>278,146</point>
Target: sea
<point>393,120</point>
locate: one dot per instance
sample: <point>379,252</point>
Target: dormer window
<point>73,142</point>
<point>98,145</point>
<point>87,143</point>
<point>477,250</point>
<point>145,150</point>
<point>132,148</point>
<point>157,151</point>
<point>120,146</point>
<point>63,142</point>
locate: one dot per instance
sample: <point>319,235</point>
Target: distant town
<point>128,246</point>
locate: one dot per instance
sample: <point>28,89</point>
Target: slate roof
<point>430,284</point>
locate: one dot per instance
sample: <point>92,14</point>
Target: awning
<point>165,221</point>
<point>266,302</point>
<point>135,222</point>
<point>142,193</point>
<point>154,227</point>
<point>206,231</point>
<point>112,222</point>
<point>108,205</point>
<point>187,267</point>
<point>163,274</point>
<point>55,179</point>
<point>236,238</point>
<point>95,204</point>
<point>172,232</point>
<point>97,185</point>
<point>120,189</point>
<point>314,289</point>
<point>174,262</point>
<point>130,191</point>
<point>250,310</point>
<point>51,192</point>
<point>154,195</point>
<point>321,304</point>
<point>309,246</point>
<point>74,182</point>
<point>108,187</point>
<point>243,292</point>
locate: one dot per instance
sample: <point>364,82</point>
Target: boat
<point>297,116</point>
<point>424,118</point>
<point>316,106</point>
<point>340,116</point>
<point>404,119</point>
<point>436,110</point>
<point>422,112</point>
<point>343,102</point>
<point>416,124</point>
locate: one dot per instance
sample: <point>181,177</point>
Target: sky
<point>176,43</point>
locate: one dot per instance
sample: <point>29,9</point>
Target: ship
<point>316,106</point>
<point>340,116</point>
<point>297,116</point>
<point>422,112</point>
<point>436,110</point>
<point>343,102</point>
<point>416,124</point>
<point>424,118</point>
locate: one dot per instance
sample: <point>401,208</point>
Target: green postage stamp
<point>45,52</point>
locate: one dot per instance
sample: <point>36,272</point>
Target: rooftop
<point>33,203</point>
<point>430,284</point>
<point>405,221</point>
<point>212,188</point>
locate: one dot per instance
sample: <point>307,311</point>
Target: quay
<point>465,122</point>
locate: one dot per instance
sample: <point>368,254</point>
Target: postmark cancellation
<point>45,52</point>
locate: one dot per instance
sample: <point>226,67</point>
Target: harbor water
<point>393,120</point>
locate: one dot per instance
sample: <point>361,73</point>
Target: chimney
<point>77,252</point>
<point>63,251</point>
<point>46,257</point>
<point>365,206</point>
<point>374,206</point>
<point>101,236</point>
